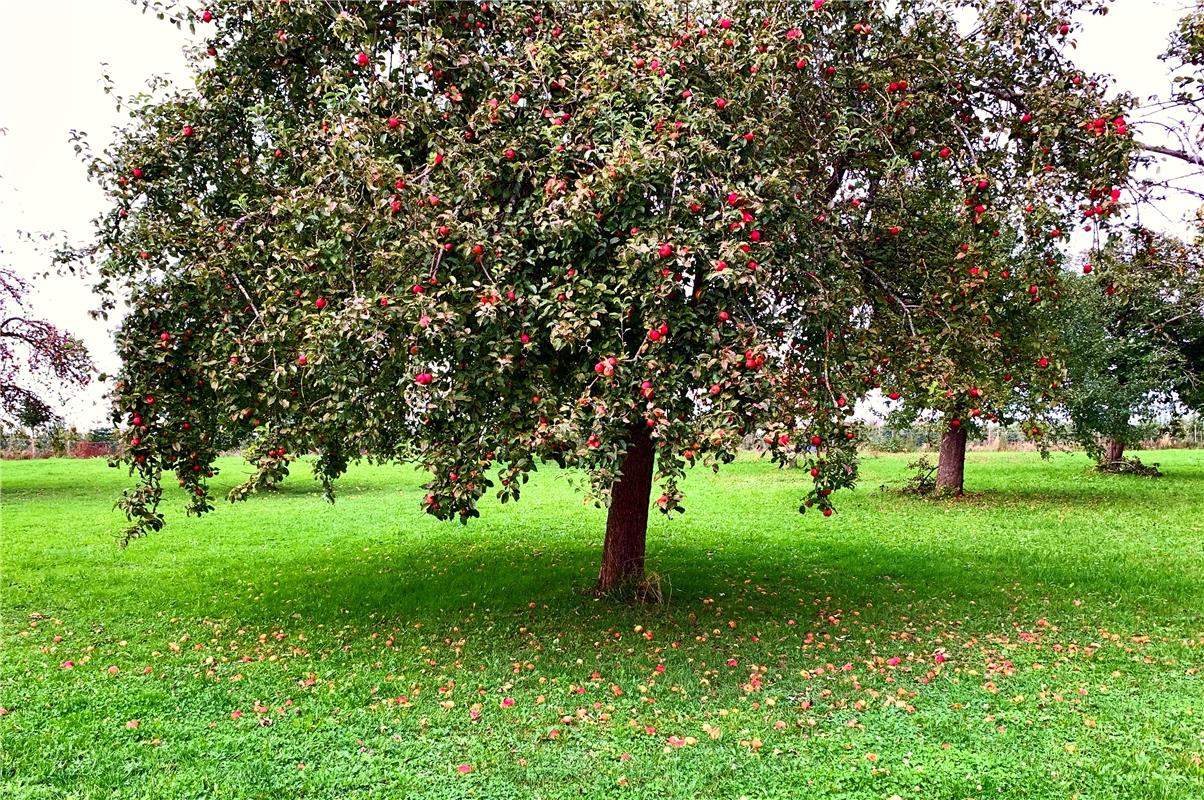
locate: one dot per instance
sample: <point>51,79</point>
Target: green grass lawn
<point>288,648</point>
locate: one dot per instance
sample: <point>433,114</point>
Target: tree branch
<point>1182,155</point>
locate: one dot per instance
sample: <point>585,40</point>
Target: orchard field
<point>1041,638</point>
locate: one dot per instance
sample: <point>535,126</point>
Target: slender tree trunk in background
<point>627,520</point>
<point>951,468</point>
<point>1114,450</point>
<point>33,443</point>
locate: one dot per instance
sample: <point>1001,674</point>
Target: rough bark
<point>627,520</point>
<point>951,469</point>
<point>1114,451</point>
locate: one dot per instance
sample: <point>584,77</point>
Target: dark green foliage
<point>1132,334</point>
<point>490,236</point>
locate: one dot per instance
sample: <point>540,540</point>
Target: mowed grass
<point>285,647</point>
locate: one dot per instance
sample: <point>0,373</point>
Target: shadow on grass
<point>910,558</point>
<point>429,581</point>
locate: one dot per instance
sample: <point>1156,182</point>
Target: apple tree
<point>476,236</point>
<point>485,236</point>
<point>1002,147</point>
<point>1134,335</point>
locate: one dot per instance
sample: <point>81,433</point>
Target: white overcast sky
<point>51,52</point>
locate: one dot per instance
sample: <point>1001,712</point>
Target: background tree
<point>1134,338</point>
<point>38,361</point>
<point>1001,147</point>
<point>610,236</point>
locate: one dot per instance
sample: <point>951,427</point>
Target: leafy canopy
<point>486,235</point>
<point>1134,334</point>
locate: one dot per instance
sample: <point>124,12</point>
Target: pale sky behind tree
<point>52,56</point>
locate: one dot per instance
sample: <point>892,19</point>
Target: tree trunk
<point>1114,450</point>
<point>33,443</point>
<point>951,468</point>
<point>627,520</point>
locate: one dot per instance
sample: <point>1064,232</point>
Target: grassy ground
<point>285,647</point>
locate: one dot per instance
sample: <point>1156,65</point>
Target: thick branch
<point>1182,155</point>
